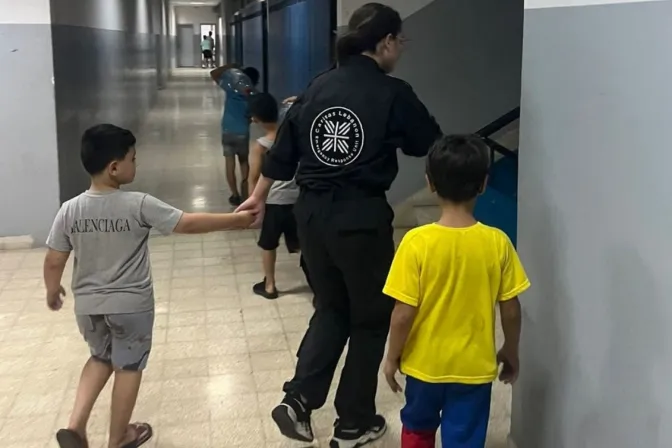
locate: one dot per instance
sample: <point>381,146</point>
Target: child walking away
<point>447,278</point>
<point>238,85</point>
<point>279,215</point>
<point>108,230</point>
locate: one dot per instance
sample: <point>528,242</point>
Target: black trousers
<point>348,247</point>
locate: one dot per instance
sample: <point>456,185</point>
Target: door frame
<point>180,43</point>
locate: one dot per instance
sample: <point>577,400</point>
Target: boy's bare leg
<point>231,175</point>
<point>244,174</point>
<point>268,258</point>
<point>124,396</point>
<point>94,377</point>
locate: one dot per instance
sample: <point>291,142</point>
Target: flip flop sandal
<point>143,432</point>
<point>68,438</point>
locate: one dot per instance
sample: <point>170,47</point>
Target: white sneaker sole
<point>367,438</point>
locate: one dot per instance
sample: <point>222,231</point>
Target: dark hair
<point>263,107</point>
<point>253,74</point>
<point>104,144</point>
<point>205,37</point>
<point>457,167</point>
<point>368,25</point>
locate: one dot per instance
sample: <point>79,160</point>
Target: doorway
<point>210,30</point>
<point>186,56</point>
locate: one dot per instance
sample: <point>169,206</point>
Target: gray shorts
<point>123,340</point>
<point>236,145</point>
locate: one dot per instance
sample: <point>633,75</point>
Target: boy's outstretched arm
<point>400,326</point>
<point>54,265</point>
<point>193,223</point>
<point>256,159</point>
<point>511,317</point>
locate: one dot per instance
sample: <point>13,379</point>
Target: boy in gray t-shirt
<point>108,230</point>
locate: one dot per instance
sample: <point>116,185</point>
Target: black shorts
<point>207,54</point>
<point>279,220</point>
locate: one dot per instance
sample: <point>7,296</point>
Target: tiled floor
<point>220,355</point>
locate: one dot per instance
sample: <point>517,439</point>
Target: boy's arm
<point>514,282</point>
<point>217,73</point>
<point>400,326</point>
<point>167,219</point>
<point>256,158</point>
<point>193,223</point>
<point>54,265</point>
<point>511,318</point>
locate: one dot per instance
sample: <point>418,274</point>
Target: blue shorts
<point>461,410</point>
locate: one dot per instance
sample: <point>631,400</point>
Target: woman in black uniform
<point>343,134</point>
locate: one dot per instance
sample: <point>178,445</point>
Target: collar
<point>362,61</point>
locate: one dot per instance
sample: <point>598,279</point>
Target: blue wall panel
<point>253,45</point>
<point>299,44</point>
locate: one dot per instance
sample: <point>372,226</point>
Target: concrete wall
<point>594,223</point>
<point>105,67</point>
<point>463,59</point>
<point>28,171</point>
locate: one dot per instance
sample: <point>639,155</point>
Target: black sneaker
<point>293,420</point>
<point>235,200</point>
<point>356,437</point>
<point>260,290</point>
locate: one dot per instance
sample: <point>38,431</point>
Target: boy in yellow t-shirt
<point>447,278</point>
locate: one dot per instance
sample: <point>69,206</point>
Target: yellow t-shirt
<point>455,277</point>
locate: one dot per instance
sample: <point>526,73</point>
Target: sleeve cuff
<point>515,292</point>
<point>272,169</point>
<point>400,296</point>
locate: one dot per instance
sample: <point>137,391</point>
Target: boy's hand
<point>291,99</point>
<point>55,299</point>
<point>255,207</point>
<point>246,218</point>
<point>390,370</point>
<point>510,365</point>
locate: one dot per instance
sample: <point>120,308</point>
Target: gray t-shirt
<point>108,232</point>
<point>282,192</point>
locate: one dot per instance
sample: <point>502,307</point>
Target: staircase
<point>497,206</point>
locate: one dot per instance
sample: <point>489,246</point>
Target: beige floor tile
<point>233,407</point>
<point>231,384</point>
<point>238,433</point>
<point>282,360</point>
<point>229,364</point>
<point>189,435</point>
<point>270,343</point>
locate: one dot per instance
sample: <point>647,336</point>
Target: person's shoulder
<point>419,236</point>
<point>498,235</point>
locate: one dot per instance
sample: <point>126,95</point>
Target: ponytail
<point>349,44</point>
<point>368,25</point>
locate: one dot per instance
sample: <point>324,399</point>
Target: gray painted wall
<point>28,176</point>
<point>463,60</point>
<point>105,68</point>
<point>594,217</point>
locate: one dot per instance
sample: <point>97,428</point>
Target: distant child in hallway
<point>108,230</point>
<point>236,123</point>
<point>206,49</point>
<point>447,279</point>
<point>279,214</point>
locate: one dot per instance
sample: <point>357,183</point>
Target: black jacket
<point>344,131</point>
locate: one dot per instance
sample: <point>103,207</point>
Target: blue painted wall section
<point>498,206</point>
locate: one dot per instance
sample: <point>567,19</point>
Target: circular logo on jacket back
<point>337,136</point>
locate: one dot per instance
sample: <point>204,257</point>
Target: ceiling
<point>196,2</point>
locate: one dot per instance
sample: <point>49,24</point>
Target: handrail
<point>490,129</point>
<point>499,123</point>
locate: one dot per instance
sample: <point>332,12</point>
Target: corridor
<point>220,353</point>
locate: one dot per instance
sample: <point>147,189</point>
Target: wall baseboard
<point>16,242</point>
